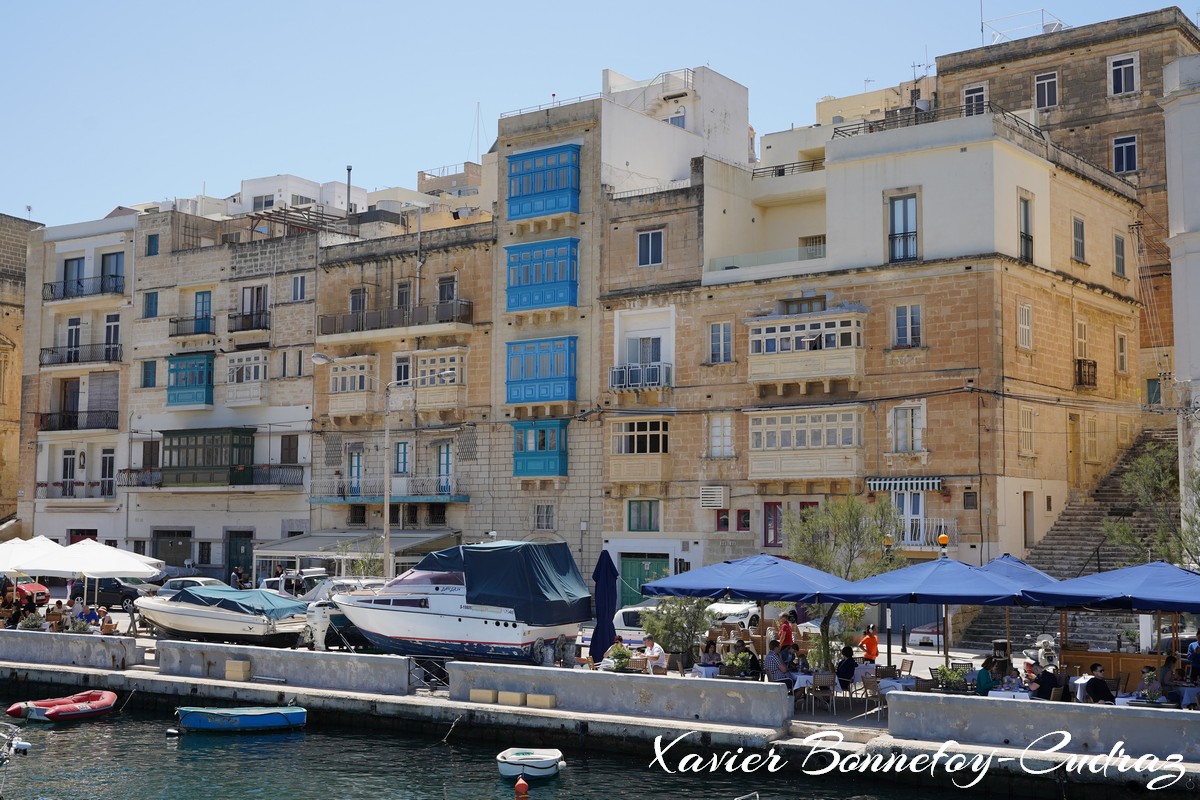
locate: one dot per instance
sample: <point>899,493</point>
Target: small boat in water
<point>254,719</point>
<point>517,761</point>
<point>85,705</point>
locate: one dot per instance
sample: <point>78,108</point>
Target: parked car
<point>27,585</point>
<point>173,585</point>
<point>743,613</point>
<point>293,583</point>
<point>113,592</point>
<point>927,635</point>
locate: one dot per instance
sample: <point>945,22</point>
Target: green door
<point>639,568</point>
<point>240,546</point>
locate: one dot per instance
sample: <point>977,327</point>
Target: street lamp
<point>887,609</point>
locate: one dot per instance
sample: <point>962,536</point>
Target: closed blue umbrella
<point>604,576</point>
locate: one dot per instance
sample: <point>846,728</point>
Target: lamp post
<point>944,540</point>
<point>887,609</point>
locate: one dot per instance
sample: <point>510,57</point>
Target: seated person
<point>14,618</point>
<point>1043,682</point>
<point>1097,690</point>
<point>845,668</point>
<point>775,669</point>
<point>984,680</point>
<point>57,608</point>
<point>802,665</point>
<point>106,623</point>
<point>656,658</point>
<point>92,617</point>
<point>754,668</point>
<point>79,610</point>
<point>1012,680</point>
<point>1168,684</point>
<point>617,642</point>
<point>1149,680</point>
<point>710,657</point>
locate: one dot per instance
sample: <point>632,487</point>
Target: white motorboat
<point>505,601</point>
<point>250,616</point>
<point>531,763</point>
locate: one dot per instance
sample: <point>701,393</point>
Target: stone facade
<point>14,233</point>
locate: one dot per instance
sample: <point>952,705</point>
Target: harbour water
<point>130,757</point>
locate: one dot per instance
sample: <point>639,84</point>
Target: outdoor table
<point>1189,695</point>
<point>802,681</point>
<point>1080,685</point>
<point>1133,701</point>
<point>897,685</point>
<point>1009,693</point>
<point>861,670</point>
<point>706,670</point>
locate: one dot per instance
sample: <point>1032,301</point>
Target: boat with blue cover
<point>255,719</point>
<point>245,616</point>
<point>497,601</point>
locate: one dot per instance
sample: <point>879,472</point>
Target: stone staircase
<point>1072,547</point>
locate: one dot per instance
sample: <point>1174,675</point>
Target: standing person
<point>279,571</point>
<point>786,631</point>
<point>1193,657</point>
<point>235,578</point>
<point>870,645</point>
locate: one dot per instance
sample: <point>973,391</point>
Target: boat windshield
<point>422,577</point>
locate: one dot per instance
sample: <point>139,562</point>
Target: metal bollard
<point>904,638</point>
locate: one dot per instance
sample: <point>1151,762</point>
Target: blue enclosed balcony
<point>541,372</point>
<point>544,182</point>
<point>190,380</point>
<point>543,275</point>
<point>540,448</point>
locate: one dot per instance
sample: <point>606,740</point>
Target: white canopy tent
<point>88,558</point>
<point>15,550</point>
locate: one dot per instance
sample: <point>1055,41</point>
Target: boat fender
<point>562,648</point>
<point>522,786</point>
<point>173,732</point>
<point>537,651</point>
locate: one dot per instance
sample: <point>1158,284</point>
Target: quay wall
<point>749,703</point>
<point>71,649</point>
<point>382,674</point>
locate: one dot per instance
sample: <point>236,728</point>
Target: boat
<point>496,601</point>
<point>516,762</point>
<point>11,743</point>
<point>242,616</point>
<point>84,705</point>
<point>254,719</point>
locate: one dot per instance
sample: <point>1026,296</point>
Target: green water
<point>130,757</point>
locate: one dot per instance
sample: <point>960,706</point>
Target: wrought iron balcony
<point>149,478</point>
<point>245,475</point>
<point>83,287</point>
<point>636,377</point>
<point>1085,373</point>
<point>77,490</point>
<point>250,321</point>
<point>924,533</point>
<point>79,354</point>
<point>794,168</point>
<point>78,420</point>
<point>451,311</point>
<point>902,247</point>
<point>364,490</point>
<point>191,326</point>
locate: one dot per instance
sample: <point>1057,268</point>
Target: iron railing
<point>632,377</point>
<point>902,247</point>
<point>224,475</point>
<point>249,321</point>
<point>408,316</point>
<point>402,486</point>
<point>191,326</point>
<point>77,420</point>
<point>1085,372</point>
<point>918,117</point>
<point>77,490</point>
<point>83,287</point>
<point>924,532</point>
<point>79,354</point>
<point>794,168</point>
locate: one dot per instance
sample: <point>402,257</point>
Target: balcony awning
<point>355,544</point>
<point>904,484</point>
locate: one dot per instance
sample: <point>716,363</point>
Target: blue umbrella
<point>943,580</point>
<point>1017,570</point>
<point>762,577</point>
<point>604,576</point>
<point>1157,586</point>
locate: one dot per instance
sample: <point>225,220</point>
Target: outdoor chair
<point>1122,682</point>
<point>887,672</point>
<point>871,694</point>
<point>1057,692</point>
<point>824,687</point>
<point>906,666</point>
<point>966,666</point>
<point>924,685</point>
<point>1114,685</point>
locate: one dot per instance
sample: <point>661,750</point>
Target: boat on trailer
<point>84,705</point>
<point>498,601</point>
<point>242,616</point>
<point>516,762</point>
<point>251,719</point>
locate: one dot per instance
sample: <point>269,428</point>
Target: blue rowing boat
<point>253,719</point>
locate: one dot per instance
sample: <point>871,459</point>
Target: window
<point>1153,392</point>
<point>1091,450</point>
<point>264,201</point>
<point>1119,255</point>
<point>1045,90</point>
<point>811,430</point>
<point>190,379</point>
<point>643,515</point>
<point>720,436</point>
<point>149,374</point>
<point>1125,154</point>
<point>447,286</point>
<point>112,264</point>
<point>400,458</point>
<point>356,515</point>
<point>974,99</point>
<point>1025,435</point>
<point>540,447</point>
<point>152,244</point>
<point>403,370</point>
<point>679,119</point>
<point>907,427</point>
<point>720,342</point>
<point>1122,352</point>
<point>902,231</point>
<point>543,274</point>
<point>640,437</point>
<point>358,301</point>
<point>1081,338</point>
<point>543,182</point>
<point>743,519</point>
<point>772,524</point>
<point>1123,74</point>
<point>204,552</point>
<point>650,248</point>
<point>404,294</point>
<point>1025,326</point>
<point>802,305</point>
<point>248,367</point>
<point>289,448</point>
<point>1077,240</point>
<point>350,377</point>
<point>543,517</point>
<point>298,288</point>
<point>908,326</point>
<point>149,305</point>
<point>1025,212</point>
<point>722,519</point>
<point>823,334</point>
<point>441,368</point>
<point>301,200</point>
<point>971,501</point>
<point>150,454</point>
<point>541,369</point>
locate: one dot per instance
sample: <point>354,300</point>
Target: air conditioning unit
<point>714,497</point>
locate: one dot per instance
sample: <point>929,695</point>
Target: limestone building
<point>14,234</point>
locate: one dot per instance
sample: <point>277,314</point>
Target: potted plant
<point>677,624</point>
<point>1132,636</point>
<point>32,621</point>
<point>950,678</point>
<point>78,625</point>
<point>620,656</point>
<point>736,663</point>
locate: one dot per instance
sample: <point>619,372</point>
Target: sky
<point>121,102</point>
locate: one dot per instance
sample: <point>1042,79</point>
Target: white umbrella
<point>15,549</point>
<point>157,563</point>
<point>88,558</point>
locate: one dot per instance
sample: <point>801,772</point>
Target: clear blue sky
<point>109,103</point>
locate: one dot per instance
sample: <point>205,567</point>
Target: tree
<point>676,623</point>
<point>847,538</point>
<point>367,559</point>
<point>1153,480</point>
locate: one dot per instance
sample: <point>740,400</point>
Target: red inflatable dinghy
<point>84,705</point>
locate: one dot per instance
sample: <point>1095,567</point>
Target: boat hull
<point>217,625</point>
<point>84,705</point>
<point>517,761</point>
<point>234,720</point>
<point>462,632</point>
